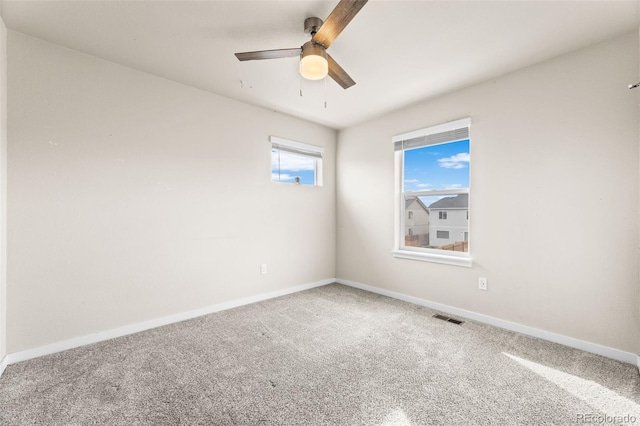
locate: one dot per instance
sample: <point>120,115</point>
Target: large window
<point>432,166</point>
<point>295,162</point>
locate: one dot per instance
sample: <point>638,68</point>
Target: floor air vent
<point>448,319</point>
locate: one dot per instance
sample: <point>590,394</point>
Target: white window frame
<point>299,148</point>
<point>420,253</point>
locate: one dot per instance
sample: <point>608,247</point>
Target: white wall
<point>132,197</point>
<point>554,196</point>
<point>3,187</point>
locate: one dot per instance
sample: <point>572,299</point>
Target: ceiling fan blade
<point>269,54</point>
<point>337,21</point>
<point>338,74</point>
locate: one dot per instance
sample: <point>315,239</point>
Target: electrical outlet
<point>263,268</point>
<point>482,283</point>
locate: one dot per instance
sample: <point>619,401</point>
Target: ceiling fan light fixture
<point>313,61</point>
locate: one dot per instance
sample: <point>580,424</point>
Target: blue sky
<point>286,166</point>
<point>437,167</point>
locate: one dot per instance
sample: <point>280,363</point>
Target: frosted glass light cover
<point>314,67</point>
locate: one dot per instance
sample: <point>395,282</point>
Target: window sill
<point>435,258</point>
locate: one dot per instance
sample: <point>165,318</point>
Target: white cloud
<point>415,185</point>
<point>282,177</point>
<point>452,186</point>
<point>458,161</point>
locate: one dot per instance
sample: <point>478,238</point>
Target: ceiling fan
<point>315,62</point>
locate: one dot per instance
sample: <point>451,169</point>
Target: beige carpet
<point>331,355</point>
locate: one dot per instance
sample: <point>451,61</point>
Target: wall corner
<point>3,190</point>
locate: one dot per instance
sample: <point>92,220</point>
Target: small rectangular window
<point>432,168</point>
<point>442,234</point>
<point>295,162</point>
<point>410,215</point>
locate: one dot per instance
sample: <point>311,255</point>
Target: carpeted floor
<point>331,355</point>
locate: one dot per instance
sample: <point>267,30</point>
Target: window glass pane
<point>439,222</point>
<point>292,167</point>
<point>442,234</point>
<point>437,167</point>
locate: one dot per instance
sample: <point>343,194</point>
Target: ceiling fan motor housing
<point>312,25</point>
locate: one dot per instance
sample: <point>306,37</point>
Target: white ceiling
<point>398,52</point>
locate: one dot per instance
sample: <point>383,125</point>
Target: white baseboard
<point>608,352</point>
<point>136,328</point>
<point>3,364</point>
<point>626,357</point>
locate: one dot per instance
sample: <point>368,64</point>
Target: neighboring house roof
<point>410,201</point>
<point>460,201</point>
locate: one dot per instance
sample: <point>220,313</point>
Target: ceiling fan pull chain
<point>300,85</point>
<point>325,92</point>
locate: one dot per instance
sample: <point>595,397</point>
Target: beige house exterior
<point>416,223</point>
